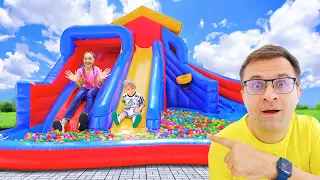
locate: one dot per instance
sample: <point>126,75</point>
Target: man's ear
<point>242,93</point>
<point>299,92</point>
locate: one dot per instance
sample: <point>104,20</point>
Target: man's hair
<point>270,52</point>
<point>128,82</point>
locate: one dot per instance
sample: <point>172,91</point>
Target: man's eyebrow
<point>279,75</point>
<point>256,77</point>
<point>283,75</point>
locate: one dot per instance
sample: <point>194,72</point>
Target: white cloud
<point>24,49</point>
<point>56,17</point>
<point>189,52</point>
<point>232,75</point>
<point>309,81</point>
<point>223,23</point>
<point>18,63</point>
<point>291,26</point>
<point>5,37</point>
<point>53,44</point>
<point>176,0</point>
<point>9,22</point>
<point>129,5</point>
<point>7,80</point>
<point>16,66</point>
<point>213,35</point>
<point>185,40</point>
<point>225,57</point>
<point>43,58</point>
<point>269,12</point>
<point>215,25</point>
<point>264,23</point>
<point>201,23</point>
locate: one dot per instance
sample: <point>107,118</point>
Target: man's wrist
<point>272,172</point>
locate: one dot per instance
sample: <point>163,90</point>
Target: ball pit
<point>174,124</point>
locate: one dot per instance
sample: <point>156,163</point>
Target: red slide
<point>227,88</point>
<point>103,61</point>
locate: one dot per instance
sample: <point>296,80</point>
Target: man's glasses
<point>280,85</point>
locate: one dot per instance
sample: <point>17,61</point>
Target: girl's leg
<point>90,97</point>
<point>84,117</point>
<point>70,111</point>
<point>75,103</point>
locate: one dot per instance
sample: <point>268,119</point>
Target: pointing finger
<point>221,140</point>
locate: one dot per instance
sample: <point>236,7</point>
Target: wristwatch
<point>284,169</point>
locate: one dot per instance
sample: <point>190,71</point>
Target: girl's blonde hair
<point>83,78</point>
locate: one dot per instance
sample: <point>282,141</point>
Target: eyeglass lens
<point>283,85</point>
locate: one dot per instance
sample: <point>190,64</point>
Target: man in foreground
<point>271,141</point>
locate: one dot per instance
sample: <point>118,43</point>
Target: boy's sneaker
<point>83,121</point>
<point>115,118</point>
<point>136,121</point>
<point>57,125</point>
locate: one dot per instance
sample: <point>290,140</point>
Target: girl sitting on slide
<point>89,79</point>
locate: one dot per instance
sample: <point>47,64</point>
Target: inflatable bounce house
<point>183,101</point>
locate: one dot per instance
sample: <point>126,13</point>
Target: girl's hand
<point>136,110</point>
<point>105,74</point>
<point>71,76</point>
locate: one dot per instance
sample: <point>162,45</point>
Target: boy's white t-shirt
<point>134,101</point>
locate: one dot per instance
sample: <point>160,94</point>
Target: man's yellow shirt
<point>301,146</point>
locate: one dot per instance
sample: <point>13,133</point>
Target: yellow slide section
<point>139,71</point>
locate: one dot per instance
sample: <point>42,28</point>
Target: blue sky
<point>219,34</point>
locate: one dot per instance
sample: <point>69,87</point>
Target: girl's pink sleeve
<point>79,73</point>
<point>99,71</point>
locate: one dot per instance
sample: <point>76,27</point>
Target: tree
<point>317,106</point>
<point>300,106</point>
<point>8,106</point>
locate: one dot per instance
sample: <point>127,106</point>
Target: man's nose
<point>269,94</point>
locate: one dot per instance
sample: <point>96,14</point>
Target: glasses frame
<point>272,81</point>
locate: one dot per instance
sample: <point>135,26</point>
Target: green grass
<point>7,120</point>
<point>311,112</point>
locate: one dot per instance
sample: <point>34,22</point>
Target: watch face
<point>286,167</point>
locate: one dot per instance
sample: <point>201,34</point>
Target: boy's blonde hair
<point>129,82</point>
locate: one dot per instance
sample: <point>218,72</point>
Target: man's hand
<point>246,161</point>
